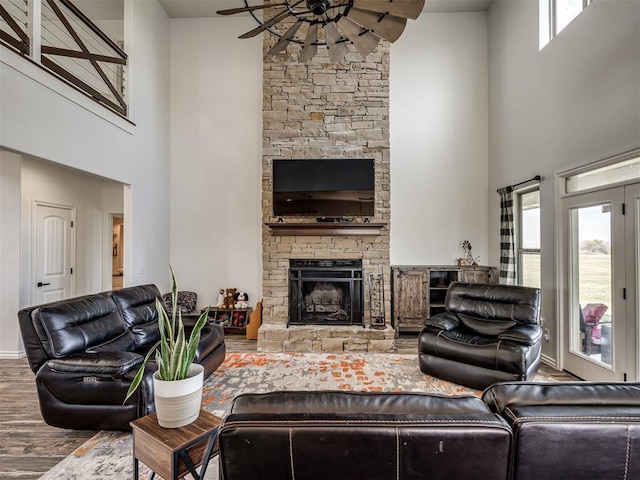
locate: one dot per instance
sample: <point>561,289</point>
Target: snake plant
<point>174,353</point>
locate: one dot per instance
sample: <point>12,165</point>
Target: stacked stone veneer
<point>322,110</point>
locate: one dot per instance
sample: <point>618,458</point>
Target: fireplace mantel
<point>329,228</point>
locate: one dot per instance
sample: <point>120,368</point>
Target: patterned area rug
<point>108,455</point>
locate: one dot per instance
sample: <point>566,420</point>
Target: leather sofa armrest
<point>443,321</point>
<point>190,319</point>
<point>107,363</point>
<point>524,334</point>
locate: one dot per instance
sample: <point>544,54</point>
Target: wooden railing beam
<point>64,52</point>
<point>14,42</point>
<point>54,67</point>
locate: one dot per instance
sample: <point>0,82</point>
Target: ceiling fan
<point>334,23</point>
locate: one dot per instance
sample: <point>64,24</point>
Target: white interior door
<point>53,253</point>
<point>600,274</point>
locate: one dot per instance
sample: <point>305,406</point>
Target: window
<point>528,228</point>
<point>622,171</point>
<point>554,15</point>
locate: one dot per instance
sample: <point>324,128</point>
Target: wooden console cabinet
<point>418,291</point>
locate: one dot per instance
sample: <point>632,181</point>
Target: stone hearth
<point>319,110</point>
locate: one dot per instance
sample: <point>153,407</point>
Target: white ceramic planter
<point>178,401</point>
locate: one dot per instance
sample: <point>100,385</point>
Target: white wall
<point>216,151</point>
<point>9,253</point>
<point>147,159</point>
<point>438,144</point>
<point>439,153</point>
<point>576,101</point>
<point>43,118</point>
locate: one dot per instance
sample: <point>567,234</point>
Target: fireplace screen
<point>325,292</point>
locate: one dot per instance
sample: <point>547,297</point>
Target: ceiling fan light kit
<point>361,23</point>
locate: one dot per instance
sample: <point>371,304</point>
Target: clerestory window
<point>555,15</point>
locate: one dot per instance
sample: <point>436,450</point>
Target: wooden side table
<point>174,452</point>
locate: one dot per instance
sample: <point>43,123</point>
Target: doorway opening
<point>117,264</point>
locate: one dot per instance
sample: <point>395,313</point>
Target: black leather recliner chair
<point>489,334</point>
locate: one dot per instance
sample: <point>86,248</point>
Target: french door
<point>600,235</point>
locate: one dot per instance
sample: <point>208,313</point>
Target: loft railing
<point>13,25</point>
<point>69,45</point>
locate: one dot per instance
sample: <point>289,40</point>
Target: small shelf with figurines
<point>233,321</point>
<point>232,311</point>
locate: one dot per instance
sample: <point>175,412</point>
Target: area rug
<point>107,455</point>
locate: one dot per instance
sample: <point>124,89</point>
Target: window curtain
<point>507,238</point>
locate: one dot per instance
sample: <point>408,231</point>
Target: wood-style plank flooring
<point>29,447</point>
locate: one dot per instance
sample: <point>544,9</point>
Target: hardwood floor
<point>29,447</point>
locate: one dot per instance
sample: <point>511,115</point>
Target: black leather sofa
<point>518,430</point>
<point>488,334</point>
<point>85,351</point>
<point>571,430</point>
<point>346,435</point>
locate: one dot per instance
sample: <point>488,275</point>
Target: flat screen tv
<point>324,188</point>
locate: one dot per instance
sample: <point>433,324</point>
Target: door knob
<point>40,284</point>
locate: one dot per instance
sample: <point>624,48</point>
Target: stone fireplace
<point>321,110</point>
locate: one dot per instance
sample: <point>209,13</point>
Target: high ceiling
<point>208,8</point>
<point>114,9</point>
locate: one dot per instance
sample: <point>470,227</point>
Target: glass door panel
<point>591,275</point>
<point>595,345</point>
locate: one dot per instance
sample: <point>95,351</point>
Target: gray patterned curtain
<point>507,241</point>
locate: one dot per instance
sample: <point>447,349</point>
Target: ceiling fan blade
<point>337,49</point>
<point>388,27</point>
<point>270,23</point>
<point>310,48</point>
<point>399,8</point>
<point>364,40</point>
<point>233,11</point>
<point>284,40</point>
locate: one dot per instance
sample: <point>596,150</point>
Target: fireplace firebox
<point>325,292</point>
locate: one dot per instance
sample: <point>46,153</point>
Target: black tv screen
<point>324,187</point>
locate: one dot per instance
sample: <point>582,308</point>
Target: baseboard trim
<point>12,355</point>
<point>549,361</point>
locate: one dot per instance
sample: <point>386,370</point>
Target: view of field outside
<point>593,262</point>
<point>594,278</point>
<point>593,266</point>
